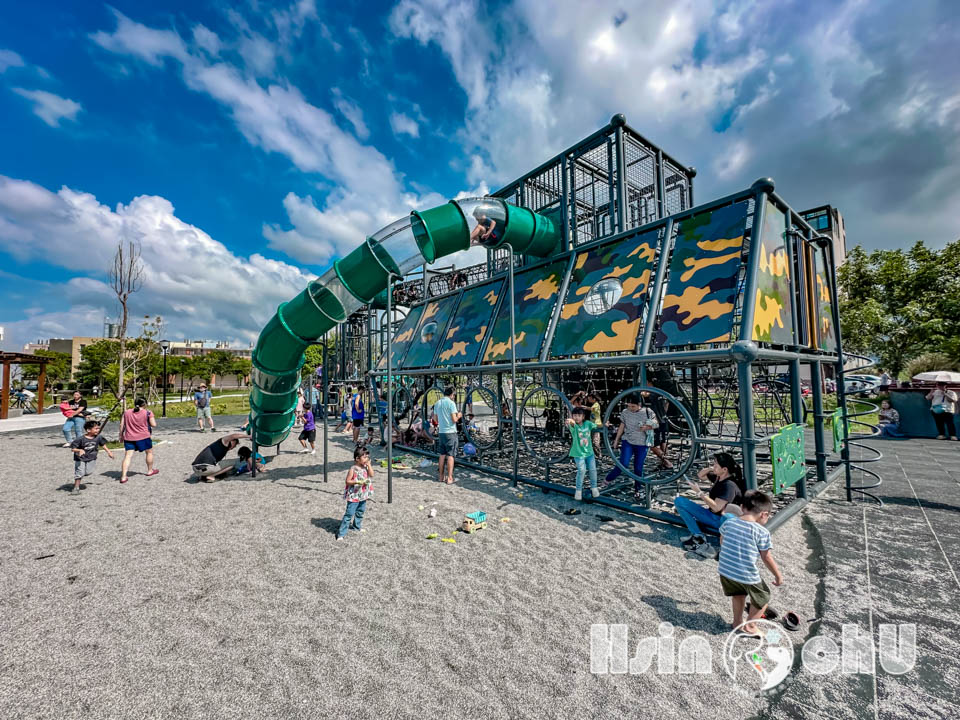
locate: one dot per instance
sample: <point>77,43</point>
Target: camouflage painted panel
<point>772,317</point>
<point>630,262</point>
<point>401,340</point>
<point>467,330</point>
<point>430,331</point>
<point>535,295</point>
<point>825,331</point>
<point>698,305</point>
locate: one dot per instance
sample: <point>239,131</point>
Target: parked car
<point>866,384</point>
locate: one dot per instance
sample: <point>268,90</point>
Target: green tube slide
<point>361,278</point>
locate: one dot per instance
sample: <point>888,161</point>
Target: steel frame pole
<point>164,383</point>
<point>389,384</point>
<point>816,385</point>
<point>326,407</point>
<point>513,369</point>
<point>796,413</point>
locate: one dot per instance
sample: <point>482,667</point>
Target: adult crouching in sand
<point>210,465</point>
<point>136,427</point>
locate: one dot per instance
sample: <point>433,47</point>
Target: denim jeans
<point>628,451</point>
<point>73,428</point>
<point>891,430</point>
<point>588,463</point>
<point>695,515</point>
<point>353,517</point>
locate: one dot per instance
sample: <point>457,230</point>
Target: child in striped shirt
<point>742,540</point>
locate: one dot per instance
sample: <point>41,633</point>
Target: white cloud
<point>368,191</point>
<point>404,125</point>
<point>826,97</point>
<point>352,112</point>
<point>259,55</point>
<point>9,59</point>
<point>49,107</point>
<point>200,287</point>
<point>206,40</point>
<point>132,38</point>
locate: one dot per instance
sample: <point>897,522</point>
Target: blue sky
<point>245,145</point>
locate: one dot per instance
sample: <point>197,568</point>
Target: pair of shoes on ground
<point>75,490</point>
<point>698,545</point>
<point>578,495</point>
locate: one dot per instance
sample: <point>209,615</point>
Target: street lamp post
<point>164,346</point>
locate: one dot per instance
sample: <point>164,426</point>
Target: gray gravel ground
<point>169,598</point>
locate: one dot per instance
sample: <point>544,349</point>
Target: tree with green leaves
<point>98,364</point>
<point>896,305</point>
<point>241,367</point>
<point>57,371</point>
<point>220,362</point>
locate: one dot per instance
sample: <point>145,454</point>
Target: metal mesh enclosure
<point>608,183</point>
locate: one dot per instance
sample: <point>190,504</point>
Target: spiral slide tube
<point>357,279</point>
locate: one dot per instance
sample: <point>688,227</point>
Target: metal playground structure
<point>603,280</point>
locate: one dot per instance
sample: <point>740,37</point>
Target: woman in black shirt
<point>727,489</point>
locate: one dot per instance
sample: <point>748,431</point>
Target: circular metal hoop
<point>490,399</point>
<point>546,460</point>
<point>681,469</point>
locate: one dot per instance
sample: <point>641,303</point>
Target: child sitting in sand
<point>581,450</point>
<point>359,487</point>
<point>742,541</point>
<point>85,449</point>
<point>243,463</point>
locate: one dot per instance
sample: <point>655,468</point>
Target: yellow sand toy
<point>474,521</point>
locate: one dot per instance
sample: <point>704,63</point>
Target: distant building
<point>38,345</point>
<point>187,348</point>
<point>190,348</point>
<point>827,220</point>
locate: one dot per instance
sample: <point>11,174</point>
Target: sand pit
<point>171,598</point>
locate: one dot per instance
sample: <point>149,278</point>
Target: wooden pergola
<point>12,358</point>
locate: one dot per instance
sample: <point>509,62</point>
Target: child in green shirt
<point>581,450</point>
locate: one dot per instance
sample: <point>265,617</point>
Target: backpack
<point>202,400</point>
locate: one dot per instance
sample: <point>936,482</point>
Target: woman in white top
<point>943,405</point>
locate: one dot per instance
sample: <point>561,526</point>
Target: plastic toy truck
<point>474,521</point>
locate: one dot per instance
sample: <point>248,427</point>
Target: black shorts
<point>660,433</point>
<point>310,435</point>
<point>357,422</point>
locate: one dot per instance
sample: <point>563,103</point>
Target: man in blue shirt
<point>202,399</point>
<point>445,411</point>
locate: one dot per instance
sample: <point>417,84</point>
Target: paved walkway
<point>52,416</point>
<point>893,564</point>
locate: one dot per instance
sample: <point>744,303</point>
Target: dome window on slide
<point>602,296</point>
<point>428,332</point>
